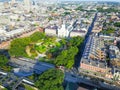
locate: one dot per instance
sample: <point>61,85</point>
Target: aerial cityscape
<point>59,44</point>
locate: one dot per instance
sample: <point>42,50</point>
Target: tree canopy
<point>75,41</point>
<point>50,80</point>
<point>66,13</point>
<point>109,10</point>
<point>3,63</point>
<point>80,8</point>
<point>66,57</point>
<point>37,36</point>
<point>109,30</point>
<point>117,24</point>
<point>63,52</point>
<point>18,46</point>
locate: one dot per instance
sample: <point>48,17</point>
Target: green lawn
<point>33,45</point>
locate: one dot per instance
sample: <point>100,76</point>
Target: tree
<point>50,80</point>
<point>66,13</point>
<point>109,30</point>
<point>37,36</point>
<point>30,12</point>
<point>66,58</point>
<point>75,41</point>
<point>18,19</point>
<point>63,43</point>
<point>80,8</point>
<point>50,18</point>
<point>53,52</point>
<point>109,10</point>
<point>17,47</point>
<point>117,24</point>
<point>3,63</point>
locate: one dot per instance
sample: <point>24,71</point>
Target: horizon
<point>71,0</point>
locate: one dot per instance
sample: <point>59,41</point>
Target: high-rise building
<point>13,1</point>
<point>27,4</point>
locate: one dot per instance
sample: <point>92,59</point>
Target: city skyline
<point>67,0</point>
<point>59,44</point>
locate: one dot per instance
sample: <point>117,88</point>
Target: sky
<point>82,0</point>
<point>75,0</point>
<point>89,0</point>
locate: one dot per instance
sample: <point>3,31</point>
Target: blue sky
<point>74,0</point>
<point>90,0</point>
